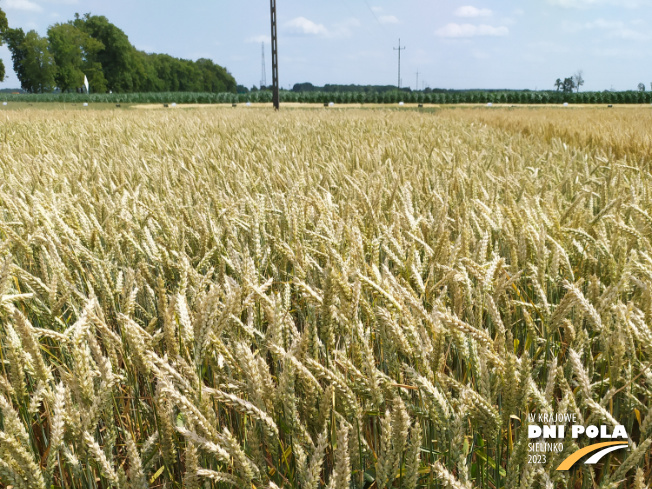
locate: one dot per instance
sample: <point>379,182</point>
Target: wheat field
<point>309,299</point>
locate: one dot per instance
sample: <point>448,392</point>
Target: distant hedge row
<point>515,97</point>
<point>129,98</point>
<point>507,97</point>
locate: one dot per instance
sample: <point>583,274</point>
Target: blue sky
<point>453,44</point>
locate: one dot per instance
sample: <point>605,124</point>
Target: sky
<point>451,44</point>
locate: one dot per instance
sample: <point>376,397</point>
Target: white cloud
<point>596,24</point>
<point>629,35</point>
<point>605,24</point>
<point>454,30</point>
<point>364,55</point>
<point>575,3</point>
<point>301,26</point>
<point>344,28</point>
<point>305,27</point>
<point>550,47</point>
<point>583,4</point>
<point>470,11</point>
<point>25,5</point>
<point>615,29</point>
<point>258,39</point>
<point>633,54</point>
<point>481,55</point>
<point>388,19</point>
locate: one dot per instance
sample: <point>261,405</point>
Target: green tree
<point>91,45</point>
<point>33,62</point>
<point>39,64</point>
<point>173,74</point>
<point>121,67</point>
<point>568,85</point>
<point>74,51</point>
<point>558,84</point>
<point>4,25</point>
<point>151,81</point>
<point>215,78</point>
<point>15,39</point>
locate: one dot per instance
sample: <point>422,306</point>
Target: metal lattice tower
<point>263,74</point>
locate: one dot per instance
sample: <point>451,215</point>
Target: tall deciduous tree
<point>4,25</point>
<point>214,77</point>
<point>118,58</point>
<point>38,64</point>
<point>74,51</point>
<point>91,45</point>
<point>578,79</point>
<point>558,84</point>
<point>568,85</point>
<point>33,63</point>
<point>14,39</point>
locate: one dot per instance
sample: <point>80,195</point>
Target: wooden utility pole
<point>275,95</point>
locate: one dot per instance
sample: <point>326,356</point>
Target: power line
<point>416,87</point>
<point>399,49</point>
<point>374,14</point>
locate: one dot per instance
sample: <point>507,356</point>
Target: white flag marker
<point>86,83</point>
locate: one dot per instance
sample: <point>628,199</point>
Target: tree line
<point>462,97</point>
<point>329,88</point>
<point>91,45</point>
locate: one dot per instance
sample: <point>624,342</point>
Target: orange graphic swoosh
<point>570,461</point>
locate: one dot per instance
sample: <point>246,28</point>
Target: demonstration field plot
<point>314,298</point>
<point>620,132</point>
